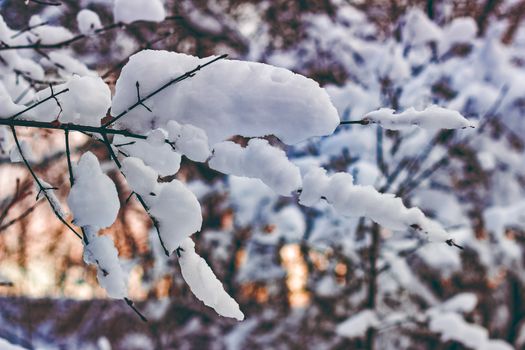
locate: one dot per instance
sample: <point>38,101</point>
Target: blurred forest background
<point>300,273</point>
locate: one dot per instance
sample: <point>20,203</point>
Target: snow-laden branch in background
<point>88,22</point>
<point>356,201</point>
<point>258,160</point>
<point>204,284</point>
<point>128,11</point>
<point>453,327</point>
<point>357,325</point>
<point>234,98</point>
<point>433,117</point>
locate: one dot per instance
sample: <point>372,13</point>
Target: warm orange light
<point>297,275</point>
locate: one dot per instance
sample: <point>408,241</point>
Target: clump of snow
<point>204,284</point>
<point>101,251</point>
<point>419,29</point>
<point>128,11</point>
<point>278,172</point>
<point>5,345</point>
<point>453,327</point>
<point>46,34</point>
<point>463,302</point>
<point>189,140</point>
<point>250,198</point>
<point>141,178</point>
<point>93,198</point>
<point>460,30</point>
<point>86,102</point>
<point>66,65</point>
<point>357,325</point>
<point>433,117</point>
<point>7,106</point>
<point>156,137</point>
<point>177,212</point>
<point>159,156</point>
<point>440,257</point>
<point>88,21</point>
<point>356,200</point>
<point>290,223</point>
<point>242,98</point>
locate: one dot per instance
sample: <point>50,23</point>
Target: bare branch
<point>41,188</point>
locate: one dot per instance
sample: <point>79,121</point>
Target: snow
<point>356,200</point>
<point>88,21</point>
<point>5,345</point>
<point>463,302</point>
<point>440,257</point>
<point>241,98</point>
<point>249,197</point>
<point>86,102</point>
<point>7,106</point>
<point>357,325</point>
<point>177,211</point>
<point>315,181</point>
<point>189,140</point>
<point>101,251</point>
<point>460,30</point>
<point>66,65</point>
<point>93,198</point>
<point>51,197</point>
<point>156,137</point>
<point>290,223</point>
<point>496,344</point>
<point>453,327</point>
<point>128,11</point>
<point>419,29</point>
<point>141,178</point>
<point>161,157</point>
<point>46,34</point>
<point>203,283</point>
<point>278,172</point>
<point>433,117</point>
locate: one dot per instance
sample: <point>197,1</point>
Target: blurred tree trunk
<point>372,282</point>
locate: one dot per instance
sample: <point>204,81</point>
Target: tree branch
<point>41,188</point>
<point>140,101</point>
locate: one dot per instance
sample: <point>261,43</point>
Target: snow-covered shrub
<point>352,172</point>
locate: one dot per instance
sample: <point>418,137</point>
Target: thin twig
<point>58,45</point>
<point>41,188</point>
<point>139,197</point>
<point>52,96</point>
<point>46,3</point>
<point>68,157</point>
<point>132,306</point>
<point>20,217</point>
<point>178,79</point>
<point>358,122</point>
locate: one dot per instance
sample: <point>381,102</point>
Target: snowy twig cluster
<point>167,105</point>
